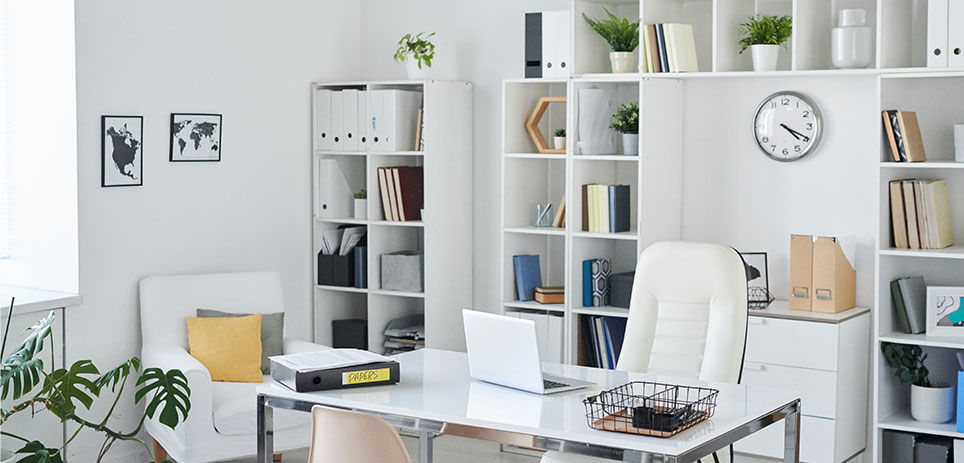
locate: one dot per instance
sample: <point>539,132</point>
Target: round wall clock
<point>787,126</point>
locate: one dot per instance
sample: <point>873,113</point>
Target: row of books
<point>669,48</point>
<point>921,214</point>
<point>602,340</point>
<point>910,303</point>
<point>605,208</point>
<point>402,191</point>
<point>903,134</point>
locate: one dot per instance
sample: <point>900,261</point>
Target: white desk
<point>435,389</point>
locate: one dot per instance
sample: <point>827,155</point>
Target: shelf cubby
<point>616,93</point>
<point>698,13</point>
<point>903,34</point>
<point>389,308</point>
<point>520,98</point>
<point>590,50</point>
<point>622,255</point>
<point>532,181</point>
<point>608,173</point>
<point>352,168</point>
<point>937,112</point>
<point>375,161</point>
<point>342,303</point>
<point>955,186</point>
<point>552,261</point>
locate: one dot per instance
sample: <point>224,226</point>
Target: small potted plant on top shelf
<point>929,402</point>
<point>559,139</point>
<point>417,52</point>
<point>361,205</point>
<point>623,37</point>
<point>626,121</point>
<point>763,35</point>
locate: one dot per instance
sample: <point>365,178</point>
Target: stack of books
<point>921,214</point>
<point>910,303</point>
<point>903,133</point>
<point>550,294</point>
<point>402,191</point>
<point>605,208</point>
<point>602,340</point>
<point>669,48</point>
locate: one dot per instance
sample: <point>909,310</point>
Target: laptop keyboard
<point>547,384</point>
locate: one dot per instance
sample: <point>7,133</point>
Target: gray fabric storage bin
<point>403,271</point>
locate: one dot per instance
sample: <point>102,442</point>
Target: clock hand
<point>796,134</point>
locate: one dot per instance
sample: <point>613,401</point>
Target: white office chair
<point>222,423</point>
<point>687,318</point>
<point>347,436</point>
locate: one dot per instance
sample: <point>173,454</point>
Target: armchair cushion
<point>235,410</point>
<point>272,333</point>
<point>230,348</point>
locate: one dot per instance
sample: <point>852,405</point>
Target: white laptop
<point>503,350</point>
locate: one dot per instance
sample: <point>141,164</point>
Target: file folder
<point>555,43</point>
<point>350,119</point>
<point>337,120</point>
<point>399,114</point>
<point>322,119</point>
<point>533,45</point>
<point>801,272</point>
<point>362,126</point>
<point>370,374</point>
<point>937,11</point>
<point>374,119</point>
<point>834,278</point>
<point>335,198</point>
<point>955,34</point>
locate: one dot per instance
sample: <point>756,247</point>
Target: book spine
<point>902,321</point>
<point>612,208</point>
<point>587,283</point>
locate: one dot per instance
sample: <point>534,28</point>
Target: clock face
<point>787,126</point>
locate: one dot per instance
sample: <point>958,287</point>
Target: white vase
<point>361,209</point>
<point>631,143</point>
<point>559,143</point>
<point>623,61</point>
<point>414,73</point>
<point>765,57</point>
<point>932,404</point>
<point>852,41</point>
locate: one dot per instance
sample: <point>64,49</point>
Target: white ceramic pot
<point>414,73</point>
<point>559,143</point>
<point>765,57</point>
<point>852,41</point>
<point>631,143</point>
<point>932,404</point>
<point>623,61</point>
<point>361,209</point>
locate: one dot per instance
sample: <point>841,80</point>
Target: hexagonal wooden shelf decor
<point>532,125</point>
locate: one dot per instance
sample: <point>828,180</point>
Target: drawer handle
<point>754,366</point>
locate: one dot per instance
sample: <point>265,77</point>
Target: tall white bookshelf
<point>444,233</point>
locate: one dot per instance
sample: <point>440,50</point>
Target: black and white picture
<point>121,151</point>
<point>757,280</point>
<point>195,137</point>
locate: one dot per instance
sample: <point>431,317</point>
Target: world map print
<point>195,137</point>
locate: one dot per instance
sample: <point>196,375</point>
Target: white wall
<point>41,142</point>
<point>251,62</point>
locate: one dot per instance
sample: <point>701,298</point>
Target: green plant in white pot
<point>623,38</point>
<point>559,139</point>
<point>417,52</point>
<point>764,35</point>
<point>626,121</point>
<point>929,402</point>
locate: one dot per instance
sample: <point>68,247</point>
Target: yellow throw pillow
<point>230,348</point>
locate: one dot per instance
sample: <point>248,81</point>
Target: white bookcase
<point>444,234</point>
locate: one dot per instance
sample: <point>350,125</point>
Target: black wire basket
<point>650,409</point>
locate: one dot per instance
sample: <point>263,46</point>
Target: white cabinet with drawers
<point>823,356</point>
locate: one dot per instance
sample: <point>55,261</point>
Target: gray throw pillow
<point>272,333</point>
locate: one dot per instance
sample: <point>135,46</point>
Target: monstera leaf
<point>171,392</point>
<point>38,453</point>
<point>118,374</point>
<point>23,368</point>
<point>63,387</point>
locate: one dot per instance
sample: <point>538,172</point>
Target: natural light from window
<point>4,205</point>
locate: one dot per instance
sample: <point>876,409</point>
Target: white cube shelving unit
<point>444,234</point>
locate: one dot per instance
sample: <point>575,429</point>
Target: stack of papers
<point>328,359</point>
<point>341,240</point>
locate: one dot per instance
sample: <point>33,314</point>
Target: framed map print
<point>195,137</point>
<point>945,311</point>
<point>121,151</point>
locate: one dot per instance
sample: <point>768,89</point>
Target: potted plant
<point>763,35</point>
<point>559,139</point>
<point>417,52</point>
<point>623,37</point>
<point>626,121</point>
<point>35,387</point>
<point>361,205</point>
<point>929,402</point>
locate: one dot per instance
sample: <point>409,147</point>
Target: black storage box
<point>349,333</point>
<point>621,289</point>
<point>335,270</point>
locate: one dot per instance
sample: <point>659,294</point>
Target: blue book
<point>528,275</point>
<point>609,345</point>
<point>587,282</point>
<point>616,330</point>
<point>661,47</point>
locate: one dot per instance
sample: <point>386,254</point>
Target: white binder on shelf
<point>555,43</point>
<point>337,120</point>
<point>350,119</point>
<point>335,198</point>
<point>362,126</point>
<point>937,22</point>
<point>322,120</point>
<point>955,33</point>
<point>375,119</point>
<point>399,117</point>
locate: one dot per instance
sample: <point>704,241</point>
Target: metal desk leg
<point>265,431</point>
<point>791,448</point>
<point>425,439</point>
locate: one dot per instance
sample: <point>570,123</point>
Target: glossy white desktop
<point>435,389</point>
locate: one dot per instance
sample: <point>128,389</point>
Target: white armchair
<point>222,423</point>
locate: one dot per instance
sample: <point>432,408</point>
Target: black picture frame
<point>753,261</point>
<point>110,172</point>
<point>174,130</point>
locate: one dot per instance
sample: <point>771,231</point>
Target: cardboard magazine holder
<point>801,272</point>
<point>834,278</point>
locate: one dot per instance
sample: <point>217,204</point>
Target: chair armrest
<point>297,346</point>
<point>200,419</point>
